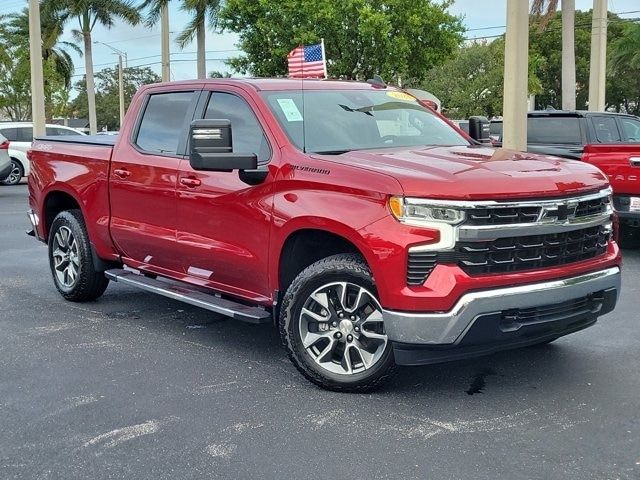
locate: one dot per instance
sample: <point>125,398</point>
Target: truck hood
<point>476,173</point>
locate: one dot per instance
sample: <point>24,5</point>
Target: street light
<point>120,54</point>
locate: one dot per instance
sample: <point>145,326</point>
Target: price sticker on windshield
<point>634,204</point>
<point>290,110</point>
<point>401,96</point>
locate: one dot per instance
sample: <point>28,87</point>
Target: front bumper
<point>504,317</point>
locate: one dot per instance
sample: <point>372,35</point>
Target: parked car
<point>5,160</point>
<point>363,225</point>
<point>20,135</point>
<point>610,141</point>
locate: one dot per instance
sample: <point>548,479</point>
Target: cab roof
<point>275,84</point>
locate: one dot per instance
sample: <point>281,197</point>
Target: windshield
<point>337,121</point>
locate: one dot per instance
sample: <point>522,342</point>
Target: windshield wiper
<point>332,152</point>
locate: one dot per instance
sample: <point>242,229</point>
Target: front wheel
<point>71,259</point>
<point>332,327</point>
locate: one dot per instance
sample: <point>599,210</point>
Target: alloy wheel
<point>66,261</point>
<point>341,328</point>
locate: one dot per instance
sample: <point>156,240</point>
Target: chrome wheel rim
<point>341,328</point>
<point>15,175</point>
<point>66,260</point>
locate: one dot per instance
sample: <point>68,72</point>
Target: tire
<point>71,259</point>
<point>338,342</point>
<point>16,174</point>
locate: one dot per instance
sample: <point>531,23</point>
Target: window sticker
<point>400,96</point>
<point>290,109</point>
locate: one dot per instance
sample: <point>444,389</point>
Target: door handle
<point>121,172</point>
<point>634,161</point>
<point>190,182</point>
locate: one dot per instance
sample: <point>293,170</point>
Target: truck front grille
<point>510,214</point>
<point>513,254</point>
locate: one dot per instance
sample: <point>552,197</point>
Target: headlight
<point>417,210</point>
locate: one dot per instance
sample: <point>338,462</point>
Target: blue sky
<point>143,45</point>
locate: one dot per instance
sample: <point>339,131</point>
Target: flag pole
<point>324,57</point>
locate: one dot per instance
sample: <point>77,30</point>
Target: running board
<point>192,296</point>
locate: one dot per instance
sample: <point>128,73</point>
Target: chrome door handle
<point>121,172</point>
<point>634,161</point>
<point>190,182</point>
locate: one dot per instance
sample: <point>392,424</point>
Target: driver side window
<point>246,134</point>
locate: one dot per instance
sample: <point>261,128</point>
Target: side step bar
<point>190,295</point>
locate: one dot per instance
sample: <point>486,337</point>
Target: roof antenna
<point>377,81</point>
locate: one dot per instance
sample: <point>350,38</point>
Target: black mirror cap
<point>479,129</point>
<point>223,162</point>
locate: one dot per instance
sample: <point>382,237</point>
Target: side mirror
<point>479,129</point>
<point>212,148</point>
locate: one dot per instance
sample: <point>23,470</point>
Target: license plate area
<point>634,204</point>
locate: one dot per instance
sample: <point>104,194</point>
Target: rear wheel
<point>16,174</point>
<point>332,327</point>
<point>71,259</point>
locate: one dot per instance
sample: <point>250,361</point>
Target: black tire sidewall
<point>89,284</point>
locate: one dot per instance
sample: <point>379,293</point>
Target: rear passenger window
<point>606,129</point>
<point>163,122</point>
<point>60,131</point>
<point>246,133</point>
<point>631,128</point>
<point>553,130</point>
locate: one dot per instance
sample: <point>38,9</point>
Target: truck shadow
<point>549,366</point>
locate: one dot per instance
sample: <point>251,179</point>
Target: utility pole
<point>516,75</point>
<point>37,77</point>
<point>568,55</point>
<point>164,31</point>
<point>597,69</point>
<point>120,54</point>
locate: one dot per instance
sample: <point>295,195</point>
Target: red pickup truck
<point>364,226</point>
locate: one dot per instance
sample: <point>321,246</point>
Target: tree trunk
<point>200,37</point>
<point>91,88</point>
<point>568,55</point>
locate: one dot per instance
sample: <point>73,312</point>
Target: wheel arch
<point>307,244</point>
<point>56,201</point>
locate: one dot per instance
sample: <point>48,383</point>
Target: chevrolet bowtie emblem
<point>560,211</point>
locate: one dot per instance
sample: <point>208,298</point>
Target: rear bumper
<point>489,320</point>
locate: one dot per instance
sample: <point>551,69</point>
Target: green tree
<point>57,62</point>
<point>202,12</point>
<point>547,43</point>
<point>393,38</point>
<point>623,79</point>
<point>107,94</point>
<point>472,82</point>
<point>88,13</point>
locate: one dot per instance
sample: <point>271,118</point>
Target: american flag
<point>307,61</point>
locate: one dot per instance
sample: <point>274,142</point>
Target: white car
<point>5,161</point>
<point>20,136</point>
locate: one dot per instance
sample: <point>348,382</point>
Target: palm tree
<point>88,13</point>
<point>55,52</point>
<point>625,50</point>
<point>547,9</point>
<point>203,12</point>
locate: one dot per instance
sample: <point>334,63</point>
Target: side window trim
<point>202,111</point>
<point>182,140</point>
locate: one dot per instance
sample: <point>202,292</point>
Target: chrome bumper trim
<point>450,327</point>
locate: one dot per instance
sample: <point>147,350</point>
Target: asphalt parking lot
<point>139,386</point>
